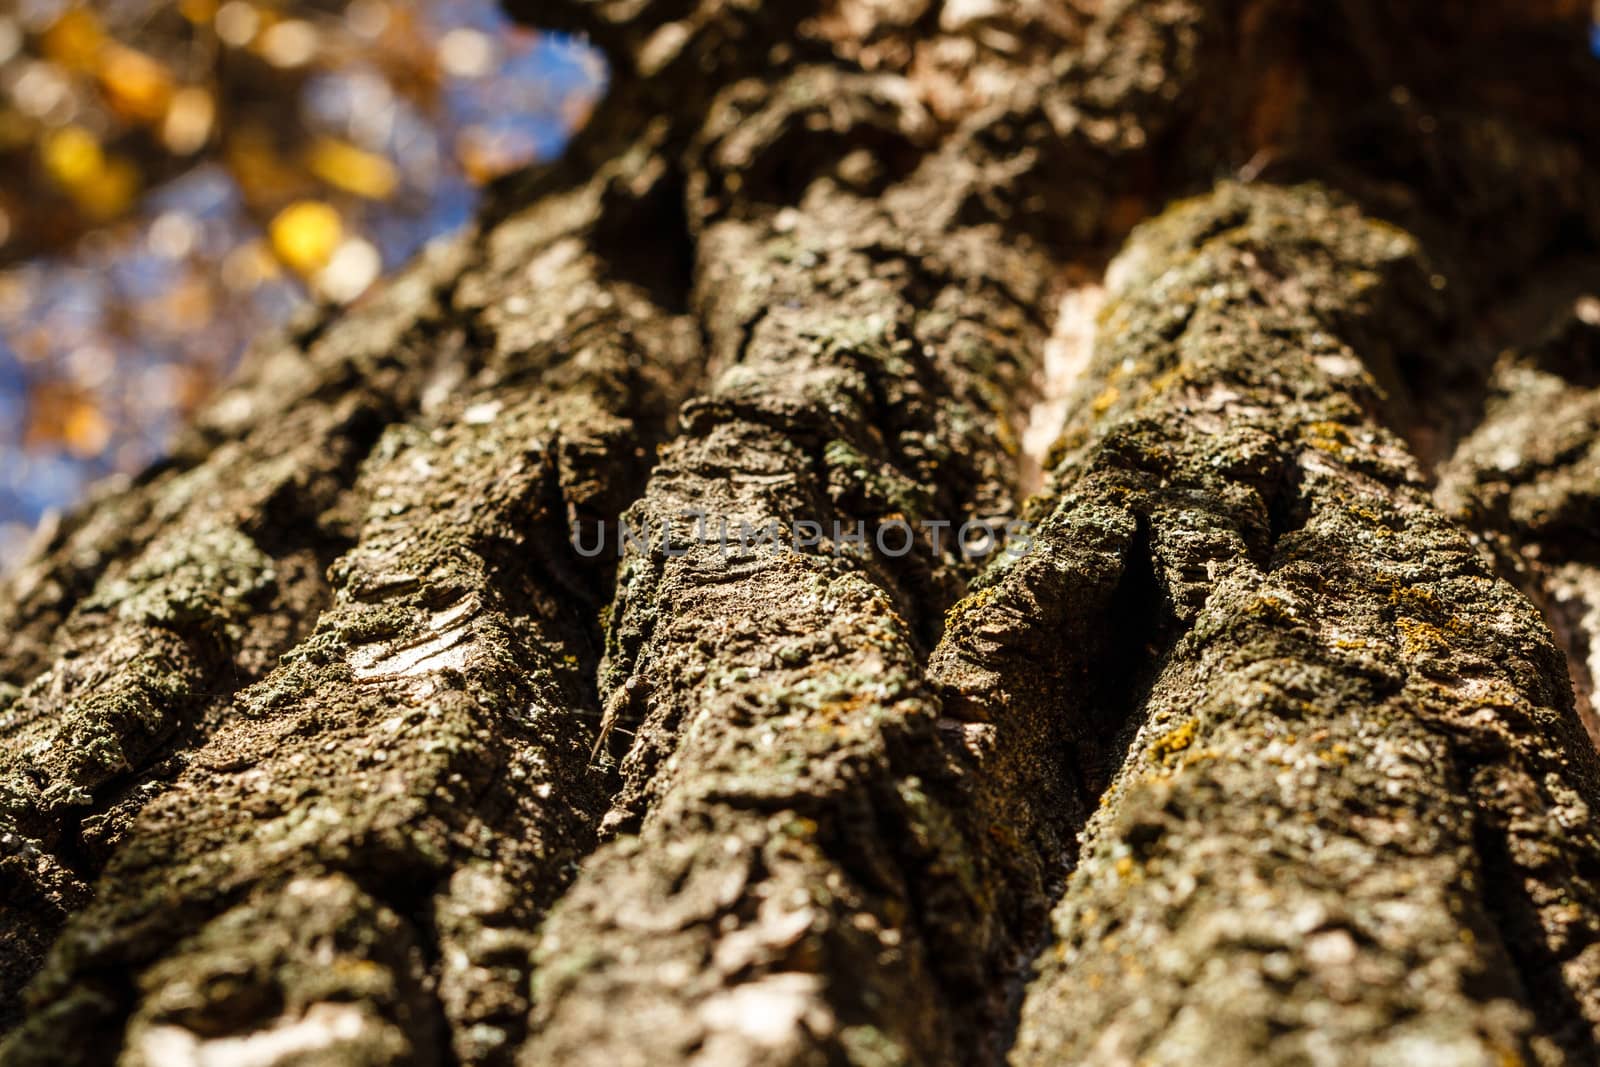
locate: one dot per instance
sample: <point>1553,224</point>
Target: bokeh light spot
<point>177,178</point>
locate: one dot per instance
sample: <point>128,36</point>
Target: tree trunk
<point>326,741</point>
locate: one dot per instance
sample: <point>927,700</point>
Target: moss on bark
<point>321,742</point>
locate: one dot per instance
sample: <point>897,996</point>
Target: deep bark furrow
<point>853,232</point>
<point>69,560</point>
<point>1300,775</point>
<point>776,720</point>
<point>1340,671</point>
<point>416,773</point>
<point>1528,477</point>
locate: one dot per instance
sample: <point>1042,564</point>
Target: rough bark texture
<point>321,743</point>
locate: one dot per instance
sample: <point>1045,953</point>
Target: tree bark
<point>323,741</point>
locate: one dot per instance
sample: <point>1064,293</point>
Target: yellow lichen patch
<point>1006,434</point>
<point>1161,383</point>
<point>968,604</point>
<point>837,713</point>
<point>1103,402</point>
<point>1420,636</point>
<point>1405,596</point>
<point>1273,608</point>
<point>1173,742</point>
<point>1333,437</point>
<point>1069,441</point>
<point>1337,756</point>
<point>1383,529</point>
<point>1112,317</point>
<point>800,827</point>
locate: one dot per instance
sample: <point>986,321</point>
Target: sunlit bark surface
<point>323,743</point>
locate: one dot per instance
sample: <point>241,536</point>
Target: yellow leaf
<point>136,85</point>
<point>74,40</point>
<point>71,155</point>
<point>108,192</point>
<point>305,234</point>
<point>344,166</point>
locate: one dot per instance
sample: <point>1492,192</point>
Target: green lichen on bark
<point>141,617</point>
<point>1356,813</point>
<point>418,765</point>
<point>875,325</point>
<point>761,693</point>
<point>321,742</point>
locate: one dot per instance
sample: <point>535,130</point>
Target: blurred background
<point>177,177</point>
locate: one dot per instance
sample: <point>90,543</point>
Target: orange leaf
<point>136,85</point>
